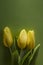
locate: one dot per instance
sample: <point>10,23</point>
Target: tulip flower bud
<point>22,39</point>
<point>7,37</point>
<point>31,39</point>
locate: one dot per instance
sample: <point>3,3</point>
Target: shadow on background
<point>6,57</point>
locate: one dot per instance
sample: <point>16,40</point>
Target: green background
<point>19,14</point>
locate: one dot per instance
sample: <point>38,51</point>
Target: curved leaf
<point>34,51</point>
<point>24,58</point>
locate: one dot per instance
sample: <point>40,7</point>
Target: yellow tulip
<point>7,37</point>
<point>31,39</point>
<point>22,39</point>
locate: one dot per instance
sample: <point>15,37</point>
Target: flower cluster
<point>25,40</point>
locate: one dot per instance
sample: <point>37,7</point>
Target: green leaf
<point>15,57</point>
<point>34,51</point>
<point>24,58</point>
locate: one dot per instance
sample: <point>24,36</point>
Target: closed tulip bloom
<point>7,37</point>
<point>22,39</point>
<point>31,39</point>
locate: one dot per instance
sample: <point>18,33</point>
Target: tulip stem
<point>12,59</point>
<point>10,50</point>
<point>19,57</point>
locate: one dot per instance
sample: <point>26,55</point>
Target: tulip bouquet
<point>24,46</point>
